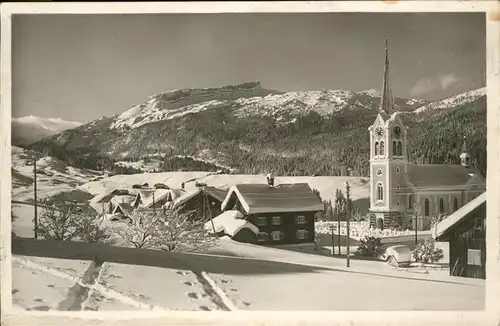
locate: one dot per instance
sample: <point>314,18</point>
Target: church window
<point>376,148</point>
<point>381,148</point>
<point>398,188</point>
<point>441,205</point>
<point>426,207</point>
<point>380,191</point>
<point>410,201</point>
<point>379,172</point>
<point>394,148</point>
<point>398,170</point>
<point>455,203</point>
<point>399,149</point>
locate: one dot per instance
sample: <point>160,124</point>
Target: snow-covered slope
<point>29,129</point>
<point>453,101</point>
<point>53,176</point>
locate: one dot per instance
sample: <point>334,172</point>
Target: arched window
<point>380,191</point>
<point>441,205</point>
<point>426,207</point>
<point>399,149</point>
<point>455,203</point>
<point>394,148</point>
<point>376,148</point>
<point>381,148</point>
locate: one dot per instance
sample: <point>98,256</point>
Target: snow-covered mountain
<point>247,100</point>
<point>453,101</point>
<point>30,129</point>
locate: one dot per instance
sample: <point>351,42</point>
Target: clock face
<point>397,131</point>
<point>379,131</point>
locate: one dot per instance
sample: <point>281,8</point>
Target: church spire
<point>387,101</point>
<point>465,157</point>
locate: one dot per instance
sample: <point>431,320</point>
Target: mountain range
<point>30,129</point>
<point>251,129</point>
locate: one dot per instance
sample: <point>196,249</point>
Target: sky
<point>81,67</point>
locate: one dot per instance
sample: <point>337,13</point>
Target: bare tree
<point>90,229</point>
<point>141,232</point>
<point>69,223</point>
<point>181,231</point>
<point>164,230</point>
<point>57,223</point>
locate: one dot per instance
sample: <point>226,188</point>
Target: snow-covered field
<point>254,278</point>
<point>40,283</point>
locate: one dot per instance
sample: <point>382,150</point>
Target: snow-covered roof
<point>448,223</point>
<point>230,222</point>
<point>216,193</point>
<point>147,196</point>
<point>262,198</point>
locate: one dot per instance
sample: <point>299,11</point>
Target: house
<point>121,204</point>
<point>156,198</point>
<point>231,223</point>
<point>400,190</point>
<point>206,197</point>
<point>284,213</point>
<point>465,231</point>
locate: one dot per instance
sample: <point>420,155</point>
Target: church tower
<point>388,161</point>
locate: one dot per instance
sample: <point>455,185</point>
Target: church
<point>400,190</point>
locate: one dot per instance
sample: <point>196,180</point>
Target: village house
<point>284,214</point>
<point>201,198</point>
<point>465,232</point>
<point>400,189</point>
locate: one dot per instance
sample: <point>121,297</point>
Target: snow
<point>32,288</point>
<point>244,102</point>
<point>53,176</point>
<point>171,179</point>
<point>230,222</point>
<point>53,125</point>
<point>172,289</point>
<point>452,101</point>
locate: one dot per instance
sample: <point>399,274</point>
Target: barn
<point>284,213</point>
<point>465,231</point>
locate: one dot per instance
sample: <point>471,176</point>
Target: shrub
<point>425,252</point>
<point>370,247</point>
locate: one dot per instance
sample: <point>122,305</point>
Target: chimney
<point>183,185</point>
<point>270,180</point>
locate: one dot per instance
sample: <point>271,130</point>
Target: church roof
<point>439,175</point>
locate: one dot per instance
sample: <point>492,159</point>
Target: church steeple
<point>464,157</point>
<point>387,101</point>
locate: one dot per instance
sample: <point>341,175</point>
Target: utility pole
<point>348,195</point>
<point>35,220</point>
<point>415,216</point>
<point>154,210</point>
<point>333,241</point>
<point>340,211</point>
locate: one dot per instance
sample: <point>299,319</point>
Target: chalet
<point>284,214</point>
<point>465,231</point>
<point>206,197</point>
<point>121,204</point>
